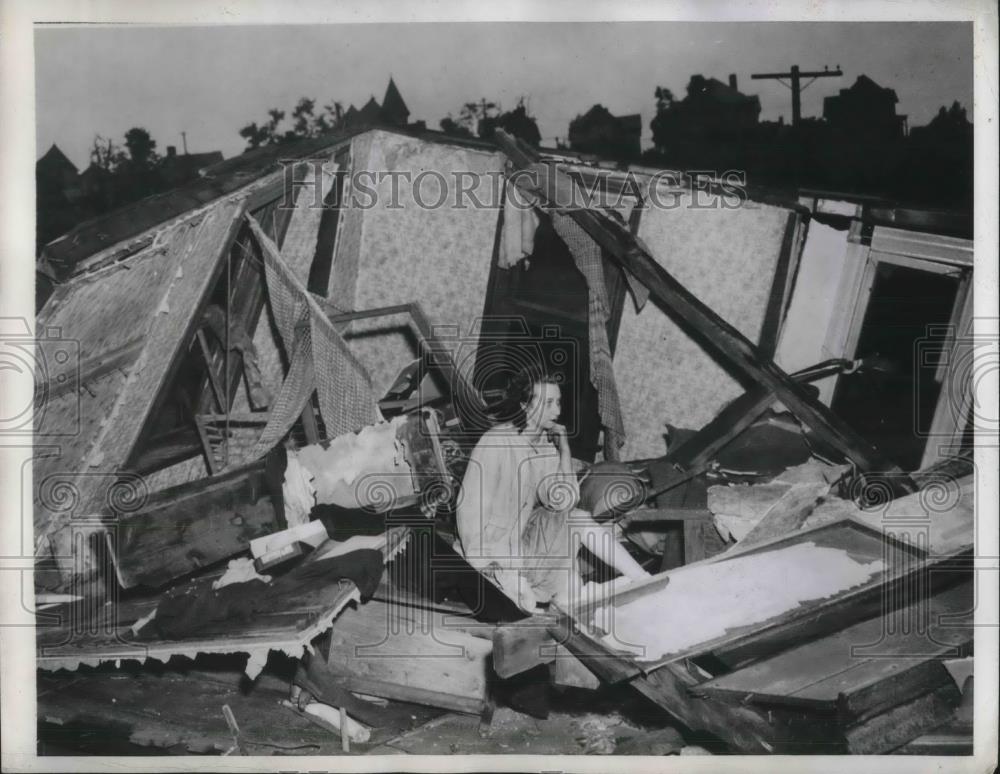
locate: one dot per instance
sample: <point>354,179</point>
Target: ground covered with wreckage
<point>176,709</point>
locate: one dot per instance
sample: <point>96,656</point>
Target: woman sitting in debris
<point>517,520</point>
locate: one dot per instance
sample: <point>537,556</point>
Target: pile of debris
<point>292,474</point>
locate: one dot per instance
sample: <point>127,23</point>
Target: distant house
<point>96,185</point>
<point>178,168</point>
<point>93,180</point>
<point>865,109</point>
<point>392,112</point>
<point>598,131</point>
<point>712,117</point>
<point>55,174</point>
<point>394,109</point>
<point>949,125</point>
<point>712,105</point>
<point>370,113</point>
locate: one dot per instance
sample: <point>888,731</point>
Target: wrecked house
<point>283,366</point>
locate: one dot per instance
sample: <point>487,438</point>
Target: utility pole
<point>795,76</point>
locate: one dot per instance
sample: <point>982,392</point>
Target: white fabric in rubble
<point>360,469</point>
<point>298,492</point>
<point>239,570</point>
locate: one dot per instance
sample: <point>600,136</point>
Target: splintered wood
<point>703,602</point>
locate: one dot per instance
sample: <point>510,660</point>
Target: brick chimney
<point>732,81</point>
<point>171,151</point>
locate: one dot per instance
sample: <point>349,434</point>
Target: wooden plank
<point>774,313</point>
<point>414,694</point>
<point>695,317</point>
<point>602,661</point>
<point>207,448</point>
<point>521,646</point>
<point>411,655</point>
<point>856,605</point>
<point>855,685</point>
<point>185,528</point>
<point>653,515</point>
<point>889,684</point>
<point>206,356</point>
<point>849,662</point>
<point>941,741</point>
<point>892,729</point>
<point>694,542</point>
<point>568,670</point>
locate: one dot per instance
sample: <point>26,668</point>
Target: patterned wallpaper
<point>727,259</point>
<point>439,257</point>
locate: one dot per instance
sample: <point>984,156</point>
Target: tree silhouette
<point>138,176</point>
<point>516,122</point>
<point>664,99</point>
<point>141,148</point>
<point>303,117</point>
<point>483,118</point>
<point>306,122</point>
<point>106,154</point>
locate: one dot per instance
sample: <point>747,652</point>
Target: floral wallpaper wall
<point>438,256</point>
<point>727,258</point>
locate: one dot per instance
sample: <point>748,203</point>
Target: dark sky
<point>210,81</point>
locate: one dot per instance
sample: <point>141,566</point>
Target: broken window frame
<point>950,256</point>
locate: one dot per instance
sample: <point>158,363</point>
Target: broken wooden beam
<point>654,515</point>
<point>693,456</point>
<point>746,729</point>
